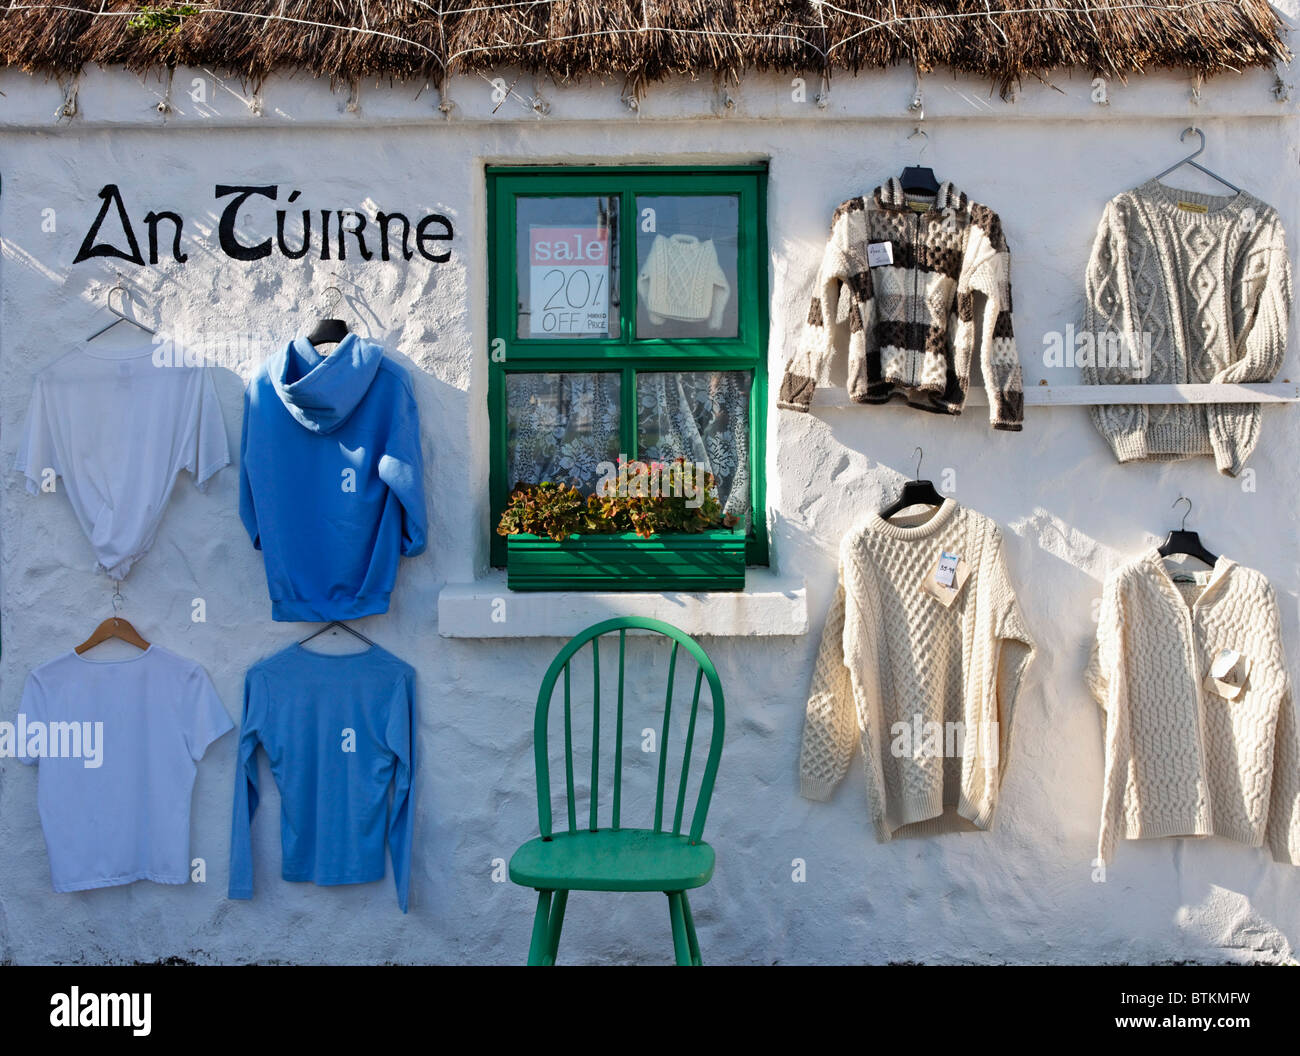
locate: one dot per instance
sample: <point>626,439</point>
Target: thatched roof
<point>641,40</point>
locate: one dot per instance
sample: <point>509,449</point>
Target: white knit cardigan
<point>1181,758</point>
<point>893,659</point>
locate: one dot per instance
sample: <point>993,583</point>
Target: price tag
<point>945,578</point>
<point>568,281</point>
<point>945,573</point>
<point>1228,674</point>
<point>1224,663</point>
<point>879,254</point>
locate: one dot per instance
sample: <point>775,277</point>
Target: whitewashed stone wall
<point>1047,162</point>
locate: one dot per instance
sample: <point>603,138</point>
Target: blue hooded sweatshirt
<point>331,478</point>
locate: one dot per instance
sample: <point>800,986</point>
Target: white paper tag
<point>879,254</point>
<point>946,572</point>
<point>1224,663</point>
<point>1228,674</point>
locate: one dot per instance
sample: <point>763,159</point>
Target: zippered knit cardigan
<point>895,664</point>
<point>1181,758</point>
<point>914,325</point>
<point>1201,284</point>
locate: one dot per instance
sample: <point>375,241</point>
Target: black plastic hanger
<point>329,331</point>
<point>340,624</point>
<point>1181,541</point>
<point>914,493</point>
<point>917,179</point>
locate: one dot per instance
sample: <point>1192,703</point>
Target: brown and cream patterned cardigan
<point>913,324</point>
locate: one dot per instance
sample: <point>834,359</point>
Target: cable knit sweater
<point>928,691</point>
<point>921,289</point>
<point>682,280</point>
<point>1186,754</point>
<point>1200,285</point>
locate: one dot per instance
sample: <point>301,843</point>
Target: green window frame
<point>626,353</point>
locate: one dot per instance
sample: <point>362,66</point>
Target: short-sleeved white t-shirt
<point>118,428</point>
<point>116,742</point>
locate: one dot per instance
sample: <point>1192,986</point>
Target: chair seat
<point>613,860</point>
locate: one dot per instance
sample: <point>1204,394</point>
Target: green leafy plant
<point>648,498</point>
<point>161,19</point>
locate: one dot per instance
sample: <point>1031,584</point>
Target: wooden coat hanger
<point>113,627</point>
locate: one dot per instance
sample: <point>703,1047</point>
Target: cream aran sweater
<point>927,690</point>
<point>1188,754</point>
<point>682,280</point>
<point>1185,288</point>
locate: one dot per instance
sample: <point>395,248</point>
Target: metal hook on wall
<point>919,456</point>
<point>117,599</point>
<point>917,105</point>
<point>1183,498</point>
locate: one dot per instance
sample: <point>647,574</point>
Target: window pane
<point>561,427</point>
<point>566,260</point>
<point>686,251</point>
<point>702,416</point>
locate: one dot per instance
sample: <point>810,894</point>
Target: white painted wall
<point>1047,163</point>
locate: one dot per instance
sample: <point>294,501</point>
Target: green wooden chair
<point>615,858</point>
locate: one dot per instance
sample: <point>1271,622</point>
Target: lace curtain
<point>562,426</point>
<point>702,416</point>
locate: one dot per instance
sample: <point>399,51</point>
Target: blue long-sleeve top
<point>338,731</point>
<point>331,478</point>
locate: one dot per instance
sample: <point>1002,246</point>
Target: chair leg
<point>541,929</point>
<point>681,947</point>
<point>691,937</point>
<point>556,923</point>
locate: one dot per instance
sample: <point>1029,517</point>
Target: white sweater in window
<point>682,280</point>
<point>895,662</point>
<point>1186,755</point>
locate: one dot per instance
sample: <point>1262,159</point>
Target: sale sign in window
<point>568,281</point>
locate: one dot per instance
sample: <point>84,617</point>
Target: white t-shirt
<point>117,741</point>
<point>118,429</point>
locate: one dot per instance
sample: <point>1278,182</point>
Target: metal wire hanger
<point>121,317</point>
<point>1196,164</point>
<point>339,624</point>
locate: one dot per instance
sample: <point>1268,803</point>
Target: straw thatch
<point>641,40</point>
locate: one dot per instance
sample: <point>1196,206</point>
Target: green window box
<point>703,561</point>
